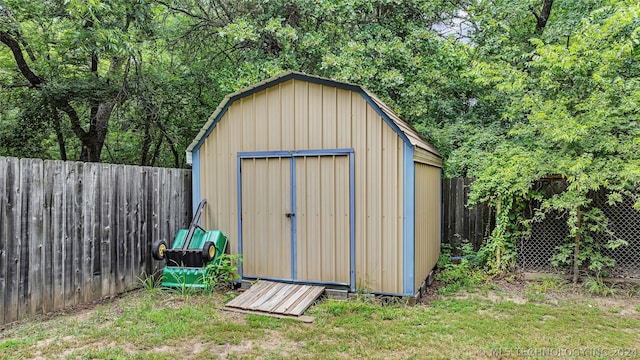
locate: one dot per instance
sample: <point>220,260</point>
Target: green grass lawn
<point>489,322</point>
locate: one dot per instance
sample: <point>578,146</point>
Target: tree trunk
<point>93,140</point>
<point>543,17</point>
<point>576,249</point>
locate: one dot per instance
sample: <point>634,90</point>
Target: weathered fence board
<point>12,238</point>
<point>72,232</point>
<point>459,222</point>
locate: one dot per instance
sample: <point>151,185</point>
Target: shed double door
<point>295,218</point>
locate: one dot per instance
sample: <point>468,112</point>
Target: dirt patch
<point>624,301</point>
<point>272,344</point>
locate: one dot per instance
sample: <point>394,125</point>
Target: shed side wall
<point>297,115</point>
<point>427,241</point>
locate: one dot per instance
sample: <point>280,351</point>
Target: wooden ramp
<point>276,299</point>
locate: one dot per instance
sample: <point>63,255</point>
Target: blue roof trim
<point>308,78</point>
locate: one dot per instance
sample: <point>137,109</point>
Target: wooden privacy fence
<point>459,222</point>
<point>72,232</point>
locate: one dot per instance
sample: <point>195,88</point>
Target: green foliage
<point>224,273</point>
<point>465,274</point>
<point>597,286</point>
<point>150,282</point>
<point>569,112</point>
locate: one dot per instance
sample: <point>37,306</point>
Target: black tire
<point>158,249</point>
<point>208,251</point>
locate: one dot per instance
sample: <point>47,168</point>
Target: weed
<point>224,273</point>
<point>597,286</point>
<point>150,282</point>
<point>456,276</point>
<point>536,290</point>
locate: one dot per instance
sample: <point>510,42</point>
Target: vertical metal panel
<point>427,220</point>
<point>273,118</point>
<point>315,117</point>
<point>329,118</point>
<point>301,95</point>
<point>343,118</point>
<point>261,123</point>
<point>266,246</point>
<point>323,245</point>
<point>287,114</point>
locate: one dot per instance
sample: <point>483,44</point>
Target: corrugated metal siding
<point>427,233</point>
<point>425,157</point>
<point>322,214</point>
<point>313,116</point>
<point>266,197</point>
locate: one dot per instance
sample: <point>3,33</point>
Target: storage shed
<point>318,181</point>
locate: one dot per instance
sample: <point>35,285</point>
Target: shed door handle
<point>289,215</point>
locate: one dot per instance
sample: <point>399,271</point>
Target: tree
<point>571,113</point>
<point>74,56</point>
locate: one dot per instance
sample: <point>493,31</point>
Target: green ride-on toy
<point>191,254</point>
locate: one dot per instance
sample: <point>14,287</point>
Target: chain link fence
<point>535,252</point>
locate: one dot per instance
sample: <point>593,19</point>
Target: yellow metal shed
<point>318,181</point>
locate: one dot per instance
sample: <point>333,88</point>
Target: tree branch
<point>182,11</point>
<point>13,86</point>
<point>24,68</point>
<point>64,105</point>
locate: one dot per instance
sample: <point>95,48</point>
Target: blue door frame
<point>293,155</point>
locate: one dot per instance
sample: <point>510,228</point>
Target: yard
<point>499,319</point>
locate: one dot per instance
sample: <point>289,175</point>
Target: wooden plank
<point>67,246</point>
<point>35,266</point>
<point>77,231</point>
<point>13,214</point>
<point>285,292</point>
<point>304,319</point>
<point>48,235</point>
<point>144,259</point>
<point>255,289</point>
<point>286,305</point>
<point>131,228</point>
<point>307,300</point>
<point>272,289</point>
<point>5,236</point>
<point>106,238</point>
<point>280,298</point>
<point>152,266</point>
<point>58,216</point>
<point>119,260</point>
<point>23,244</point>
<point>88,234</point>
<point>95,262</point>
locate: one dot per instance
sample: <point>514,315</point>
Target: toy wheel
<point>208,251</point>
<point>158,249</point>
